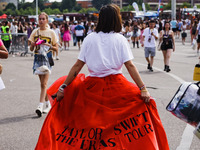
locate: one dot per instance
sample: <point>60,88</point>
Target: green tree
<point>65,11</point>
<point>40,4</point>
<point>127,8</point>
<point>77,7</point>
<point>49,11</point>
<point>9,12</point>
<point>10,6</point>
<point>168,6</point>
<point>147,6</point>
<point>99,3</point>
<point>68,4</point>
<point>55,5</point>
<point>186,5</point>
<point>56,11</point>
<point>25,5</point>
<point>1,13</point>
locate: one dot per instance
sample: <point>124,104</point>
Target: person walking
<point>173,24</point>
<point>150,36</point>
<point>66,36</point>
<point>101,110</point>
<point>79,31</point>
<point>193,30</point>
<point>58,34</point>
<point>43,40</point>
<point>184,34</point>
<point>179,28</point>
<point>136,34</point>
<point>72,28</point>
<point>168,44</point>
<point>7,38</point>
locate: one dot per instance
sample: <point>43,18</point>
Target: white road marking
<point>187,136</point>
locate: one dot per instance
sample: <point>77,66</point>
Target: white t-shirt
<point>13,29</point>
<point>57,32</point>
<point>105,53</point>
<point>147,33</point>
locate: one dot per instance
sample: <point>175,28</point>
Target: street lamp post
<point>37,8</point>
<point>173,5</point>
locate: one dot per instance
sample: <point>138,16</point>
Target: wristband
<point>144,91</point>
<point>142,87</point>
<point>62,87</point>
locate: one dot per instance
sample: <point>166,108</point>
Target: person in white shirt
<point>14,31</point>
<point>58,34</point>
<point>150,35</point>
<point>105,98</point>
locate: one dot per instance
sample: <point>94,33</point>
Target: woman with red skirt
<point>103,111</point>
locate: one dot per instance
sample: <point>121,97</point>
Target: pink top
<point>1,42</point>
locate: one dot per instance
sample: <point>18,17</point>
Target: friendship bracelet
<point>144,91</point>
<point>142,87</point>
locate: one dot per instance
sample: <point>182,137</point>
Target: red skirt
<point>101,114</point>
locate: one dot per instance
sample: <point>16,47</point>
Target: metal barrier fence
<point>19,44</point>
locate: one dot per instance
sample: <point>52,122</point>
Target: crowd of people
<point>133,30</point>
<point>109,39</point>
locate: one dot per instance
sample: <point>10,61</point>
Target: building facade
<point>178,2</point>
<point>84,3</point>
<point>4,3</point>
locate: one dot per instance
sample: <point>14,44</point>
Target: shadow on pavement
<point>18,119</point>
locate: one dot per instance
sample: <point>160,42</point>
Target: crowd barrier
<point>19,44</point>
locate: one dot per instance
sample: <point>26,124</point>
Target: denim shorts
<point>149,51</point>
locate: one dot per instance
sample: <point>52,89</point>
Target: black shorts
<point>165,46</point>
<point>80,38</point>
<point>6,44</point>
<point>174,29</point>
<point>198,40</point>
<point>184,35</point>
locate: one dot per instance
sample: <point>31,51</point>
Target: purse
<point>186,103</point>
<point>50,58</point>
<point>196,74</point>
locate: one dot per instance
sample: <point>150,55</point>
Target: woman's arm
<point>173,41</point>
<point>32,45</point>
<point>136,77</point>
<point>3,52</point>
<point>71,76</point>
<point>160,38</point>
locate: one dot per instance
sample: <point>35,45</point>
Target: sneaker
<point>39,111</point>
<point>151,69</point>
<point>57,58</point>
<point>47,109</point>
<point>148,66</point>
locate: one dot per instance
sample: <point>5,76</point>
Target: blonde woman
<point>43,41</point>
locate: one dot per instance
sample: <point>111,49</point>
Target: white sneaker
<point>39,110</point>
<point>57,58</point>
<point>47,109</point>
